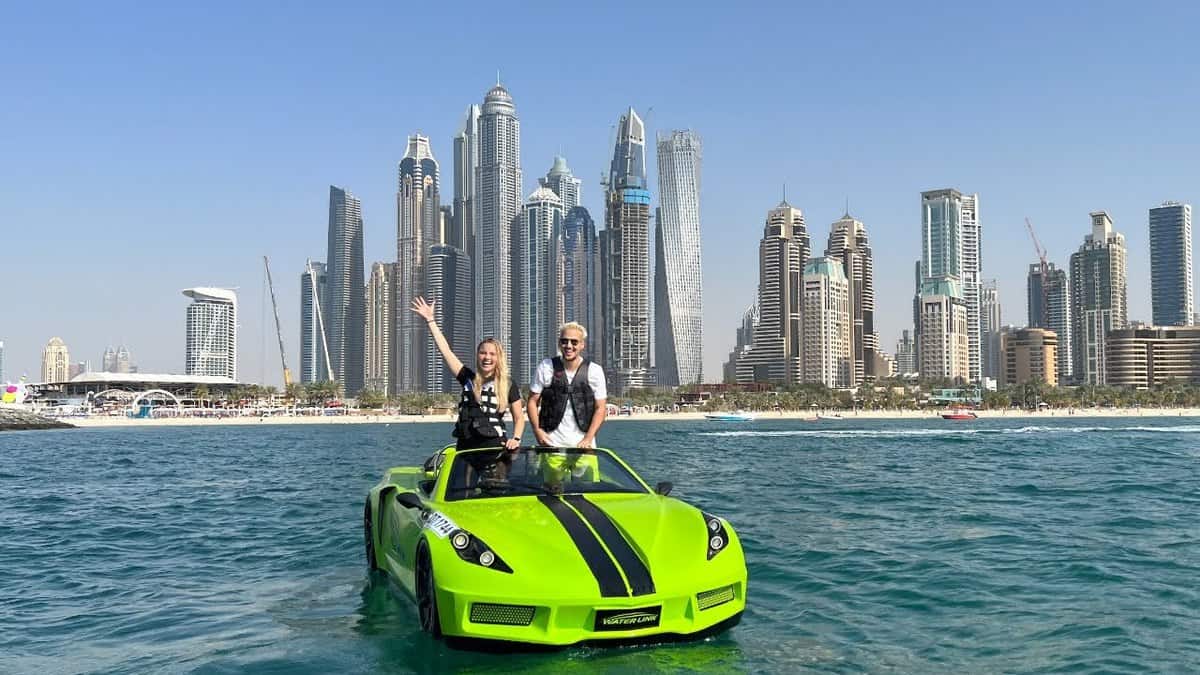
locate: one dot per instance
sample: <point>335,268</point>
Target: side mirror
<point>409,500</point>
<point>664,488</point>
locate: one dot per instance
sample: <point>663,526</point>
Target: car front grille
<point>717,596</point>
<point>504,615</point>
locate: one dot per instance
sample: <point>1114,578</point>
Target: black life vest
<point>577,393</point>
<point>475,427</point>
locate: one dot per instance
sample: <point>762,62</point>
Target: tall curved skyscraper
<point>678,308</point>
<point>497,203</point>
<point>417,228</point>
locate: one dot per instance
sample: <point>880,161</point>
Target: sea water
<point>998,545</point>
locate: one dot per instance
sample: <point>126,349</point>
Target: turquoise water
<point>873,546</point>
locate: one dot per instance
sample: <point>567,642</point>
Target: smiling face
<point>486,358</point>
<point>571,343</point>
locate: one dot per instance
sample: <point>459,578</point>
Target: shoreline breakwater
<point>20,420</point>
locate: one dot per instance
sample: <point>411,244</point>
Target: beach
<point>254,420</point>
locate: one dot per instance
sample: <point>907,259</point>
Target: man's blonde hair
<point>572,325</point>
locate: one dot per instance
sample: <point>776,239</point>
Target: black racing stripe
<point>597,559</point>
<point>639,577</point>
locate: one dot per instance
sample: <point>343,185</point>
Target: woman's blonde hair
<point>500,375</point>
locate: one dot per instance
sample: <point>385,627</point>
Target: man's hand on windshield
<point>587,442</point>
<point>543,438</point>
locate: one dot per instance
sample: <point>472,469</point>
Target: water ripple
<point>874,546</point>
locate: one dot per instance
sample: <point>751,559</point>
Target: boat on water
<point>736,416</point>
<point>959,415</point>
<point>829,417</point>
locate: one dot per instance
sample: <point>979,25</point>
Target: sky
<point>146,148</point>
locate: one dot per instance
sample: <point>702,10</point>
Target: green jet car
<point>549,546</point>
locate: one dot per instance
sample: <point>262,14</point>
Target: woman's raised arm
<point>425,309</point>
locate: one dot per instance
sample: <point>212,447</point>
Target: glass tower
<point>1171,293</point>
<point>343,307</point>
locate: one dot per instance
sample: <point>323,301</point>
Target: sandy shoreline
<point>685,416</point>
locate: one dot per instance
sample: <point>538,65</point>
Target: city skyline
<point>868,147</point>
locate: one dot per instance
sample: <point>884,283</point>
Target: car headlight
<point>718,538</point>
<point>472,549</point>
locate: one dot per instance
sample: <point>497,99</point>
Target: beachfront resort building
<point>943,345</point>
<point>211,337</point>
<point>1029,354</point>
<point>1150,357</point>
<point>828,336</point>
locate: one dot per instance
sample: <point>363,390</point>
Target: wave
<point>951,432</point>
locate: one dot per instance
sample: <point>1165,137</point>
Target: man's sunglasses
<point>569,341</point>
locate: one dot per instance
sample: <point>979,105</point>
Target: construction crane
<point>287,374</point>
<point>1045,270</point>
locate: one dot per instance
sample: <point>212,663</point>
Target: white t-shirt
<point>568,434</point>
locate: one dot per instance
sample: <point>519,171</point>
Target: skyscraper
<point>497,204</point>
<point>972,279</point>
<point>989,330</point>
<point>950,251</point>
<point>124,362</point>
<point>109,361</point>
<point>313,338</point>
<point>448,276</point>
<point>848,243</point>
<point>1049,302</point>
<point>466,161</point>
<point>537,239</point>
<point>678,304</point>
<point>378,333</point>
<point>418,226</point>
<point>211,347</point>
<point>828,344</point>
<point>1098,297</point>
<point>56,361</point>
<point>1171,293</point>
<point>741,346</point>
<point>568,188</point>
<point>625,256</point>
<point>579,271</point>
<point>906,354</point>
<point>775,355</point>
<point>943,348</point>
<point>343,307</point>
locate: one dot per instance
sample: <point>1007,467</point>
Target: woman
<point>488,391</point>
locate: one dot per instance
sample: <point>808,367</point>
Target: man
<point>566,409</point>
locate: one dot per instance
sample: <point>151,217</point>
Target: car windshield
<point>482,474</point>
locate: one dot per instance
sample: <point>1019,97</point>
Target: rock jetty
<point>12,419</point>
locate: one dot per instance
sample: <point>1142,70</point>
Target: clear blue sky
<point>146,148</point>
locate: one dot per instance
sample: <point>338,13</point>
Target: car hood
<point>668,536</point>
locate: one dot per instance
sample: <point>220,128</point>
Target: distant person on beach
<point>568,397</point>
<point>487,392</point>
